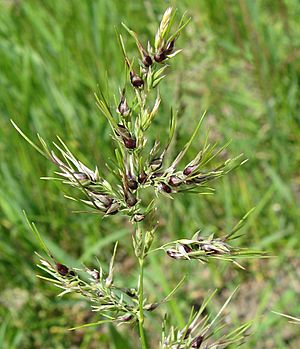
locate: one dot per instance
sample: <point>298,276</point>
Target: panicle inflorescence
<point>140,165</point>
<point>114,303</point>
<point>136,168</point>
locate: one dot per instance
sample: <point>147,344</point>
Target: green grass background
<point>241,63</point>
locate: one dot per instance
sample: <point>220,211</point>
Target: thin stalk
<point>141,310</point>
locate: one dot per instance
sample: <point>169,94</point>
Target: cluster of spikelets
<point>120,305</point>
<point>141,165</point>
<point>138,167</point>
<point>204,248</point>
<point>116,304</point>
<point>204,330</point>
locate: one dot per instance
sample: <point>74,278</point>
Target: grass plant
<point>138,166</point>
<point>239,62</point>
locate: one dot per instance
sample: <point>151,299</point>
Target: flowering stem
<point>141,298</point>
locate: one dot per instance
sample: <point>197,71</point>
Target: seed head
<point>188,170</point>
<point>163,53</point>
<point>136,81</point>
<point>125,318</point>
<point>122,132</point>
<point>147,61</point>
<point>123,108</point>
<point>173,254</point>
<point>160,56</point>
<point>169,47</point>
<point>155,164</point>
<point>80,176</point>
<point>101,199</point>
<point>113,208</point>
<point>130,143</point>
<point>174,181</point>
<point>164,187</point>
<point>94,274</point>
<point>132,184</point>
<point>197,342</point>
<point>142,177</point>
<point>62,269</point>
<point>138,217</point>
<point>151,307</point>
<point>156,175</point>
<point>130,199</point>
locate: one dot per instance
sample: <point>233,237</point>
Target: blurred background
<point>241,63</point>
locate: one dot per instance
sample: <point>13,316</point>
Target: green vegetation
<point>241,63</point>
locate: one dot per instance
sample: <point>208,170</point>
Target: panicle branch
<point>97,287</point>
<point>206,248</point>
<point>203,331</point>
